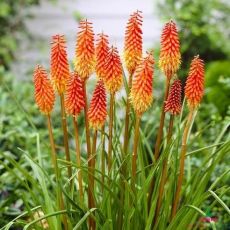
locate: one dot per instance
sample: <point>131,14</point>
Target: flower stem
<point>88,146</point>
<point>78,159</point>
<point>124,153</point>
<point>110,131</point>
<point>164,173</point>
<point>134,155</point>
<point>182,162</point>
<point>56,171</point>
<point>102,157</point>
<point>126,134</point>
<point>160,130</point>
<point>91,178</point>
<point>65,133</point>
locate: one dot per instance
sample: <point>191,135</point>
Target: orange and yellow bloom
<point>43,90</point>
<point>85,51</point>
<point>59,63</point>
<point>97,110</point>
<point>194,88</point>
<point>141,95</point>
<point>170,57</point>
<point>74,100</point>
<point>113,71</point>
<point>102,49</point>
<point>133,41</point>
<point>173,103</point>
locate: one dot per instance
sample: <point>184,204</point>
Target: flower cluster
<point>173,103</point>
<point>97,110</point>
<point>43,93</point>
<point>74,100</point>
<point>133,41</point>
<point>194,88</point>
<point>59,63</point>
<point>141,91</point>
<point>170,57</point>
<point>85,51</point>
<point>113,71</point>
<point>102,49</point>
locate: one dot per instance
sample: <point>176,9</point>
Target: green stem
<point>103,157</point>
<point>182,162</point>
<point>91,178</point>
<point>65,134</point>
<point>56,171</point>
<point>78,159</point>
<point>162,119</point>
<point>164,174</point>
<point>110,132</point>
<point>134,155</point>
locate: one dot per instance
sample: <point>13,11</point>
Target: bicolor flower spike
<point>97,110</point>
<point>43,90</point>
<point>113,71</point>
<point>141,92</point>
<point>59,63</point>
<point>170,57</point>
<point>194,88</point>
<point>133,41</point>
<point>74,99</point>
<point>85,51</point>
<point>102,49</point>
<point>173,103</point>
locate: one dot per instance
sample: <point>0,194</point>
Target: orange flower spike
<point>173,103</point>
<point>141,92</point>
<point>97,110</point>
<point>102,49</point>
<point>170,57</point>
<point>74,100</point>
<point>194,88</point>
<point>85,51</point>
<point>113,71</point>
<point>133,41</point>
<point>43,93</point>
<point>59,63</point>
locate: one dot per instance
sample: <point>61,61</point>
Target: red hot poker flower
<point>170,57</point>
<point>113,71</point>
<point>85,51</point>
<point>97,110</point>
<point>194,88</point>
<point>74,100</point>
<point>173,103</point>
<point>133,41</point>
<point>43,93</point>
<point>102,49</point>
<point>59,63</point>
<point>141,92</point>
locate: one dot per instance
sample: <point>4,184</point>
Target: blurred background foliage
<point>204,30</point>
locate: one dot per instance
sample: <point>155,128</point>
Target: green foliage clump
<point>218,85</point>
<point>11,21</point>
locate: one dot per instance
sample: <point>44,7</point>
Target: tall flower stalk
<point>113,82</point>
<point>141,97</point>
<point>101,50</point>
<point>59,77</point>
<point>173,106</point>
<point>97,115</point>
<point>132,56</point>
<point>194,90</point>
<point>169,63</point>
<point>45,98</point>
<point>84,65</point>
<point>74,103</point>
